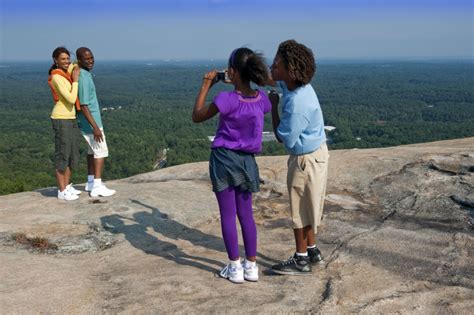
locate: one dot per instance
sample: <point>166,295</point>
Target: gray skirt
<point>233,168</point>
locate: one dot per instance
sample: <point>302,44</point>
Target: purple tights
<point>234,201</point>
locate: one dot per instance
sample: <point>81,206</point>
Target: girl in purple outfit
<point>232,166</point>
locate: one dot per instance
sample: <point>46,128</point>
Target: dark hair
<point>298,60</point>
<point>58,51</point>
<point>250,65</point>
<point>81,51</point>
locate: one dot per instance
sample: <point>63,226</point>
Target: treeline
<point>370,104</point>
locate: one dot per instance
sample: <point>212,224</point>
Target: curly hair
<point>298,60</point>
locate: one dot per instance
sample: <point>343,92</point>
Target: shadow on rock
<point>48,192</point>
<point>136,234</point>
<point>53,191</point>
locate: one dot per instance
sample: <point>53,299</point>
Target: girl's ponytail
<point>250,65</point>
<point>257,69</point>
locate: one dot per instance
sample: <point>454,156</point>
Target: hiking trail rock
<point>397,237</point>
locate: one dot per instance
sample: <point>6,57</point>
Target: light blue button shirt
<point>301,125</point>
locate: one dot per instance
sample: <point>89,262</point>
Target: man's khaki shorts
<point>306,181</point>
<point>98,149</point>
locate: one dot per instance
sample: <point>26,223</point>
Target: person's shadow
<point>137,235</point>
<point>49,192</point>
<point>52,192</point>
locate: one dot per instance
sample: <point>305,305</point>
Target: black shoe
<point>314,255</point>
<point>295,265</point>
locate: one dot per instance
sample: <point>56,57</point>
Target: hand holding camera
<point>223,76</point>
<point>274,97</point>
<point>214,76</point>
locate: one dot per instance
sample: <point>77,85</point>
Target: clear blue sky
<point>210,29</point>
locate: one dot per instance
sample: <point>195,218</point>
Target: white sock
<point>97,181</point>
<point>302,254</point>
<point>236,263</point>
<point>249,263</point>
<point>312,247</point>
<point>90,178</point>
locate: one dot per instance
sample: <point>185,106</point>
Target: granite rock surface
<point>397,237</point>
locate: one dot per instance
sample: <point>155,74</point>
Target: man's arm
<point>96,130</point>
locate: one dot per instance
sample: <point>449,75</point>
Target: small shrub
<point>39,243</point>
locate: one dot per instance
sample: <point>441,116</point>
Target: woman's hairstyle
<point>58,51</point>
<point>250,65</point>
<point>298,60</point>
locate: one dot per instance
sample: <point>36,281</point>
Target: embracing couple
<point>75,97</point>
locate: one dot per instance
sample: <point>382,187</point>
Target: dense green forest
<point>371,104</point>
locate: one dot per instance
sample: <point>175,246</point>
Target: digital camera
<point>222,76</point>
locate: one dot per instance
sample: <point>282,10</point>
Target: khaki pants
<point>306,181</point>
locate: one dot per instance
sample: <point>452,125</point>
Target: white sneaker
<point>73,190</point>
<point>67,195</point>
<point>250,272</point>
<point>234,274</point>
<point>89,186</point>
<point>102,191</point>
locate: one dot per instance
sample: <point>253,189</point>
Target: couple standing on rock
<point>232,165</point>
<point>74,92</point>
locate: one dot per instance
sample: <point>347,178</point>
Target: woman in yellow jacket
<point>64,87</point>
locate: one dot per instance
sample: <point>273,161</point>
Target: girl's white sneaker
<point>250,272</point>
<point>233,273</point>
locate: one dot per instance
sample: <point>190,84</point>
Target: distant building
<point>270,136</point>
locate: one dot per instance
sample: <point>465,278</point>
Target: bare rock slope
<point>397,236</point>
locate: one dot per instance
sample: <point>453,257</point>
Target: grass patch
<point>39,243</point>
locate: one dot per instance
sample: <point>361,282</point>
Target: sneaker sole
<point>251,280</point>
<point>319,262</point>
<point>292,273</point>
<point>233,281</point>
<point>99,195</point>
<point>236,282</point>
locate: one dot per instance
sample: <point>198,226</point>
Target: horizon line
<point>165,60</point>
